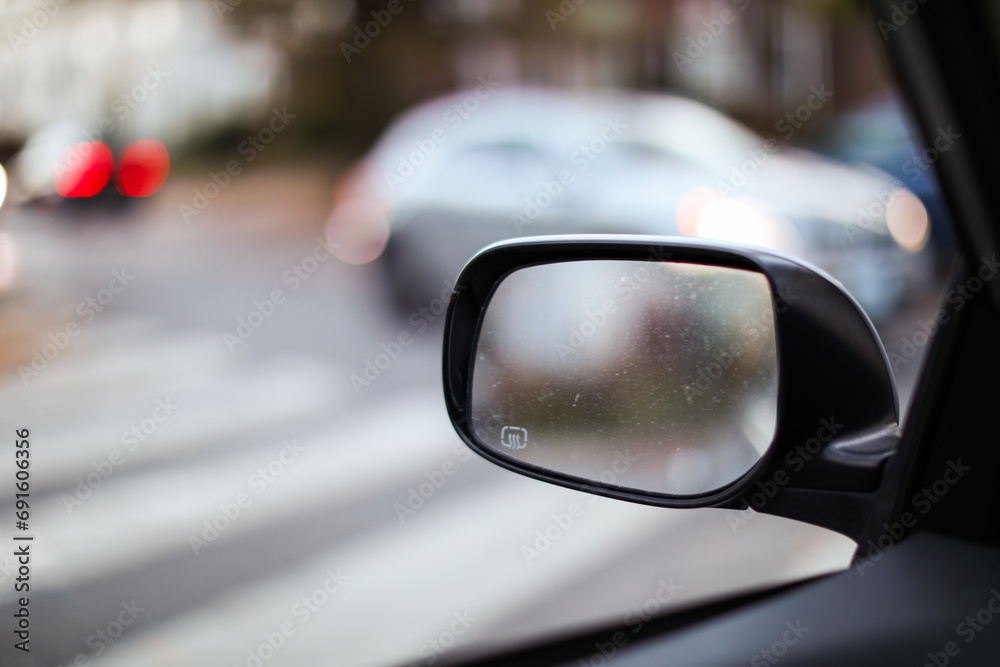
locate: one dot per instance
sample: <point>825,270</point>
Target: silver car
<point>459,172</point>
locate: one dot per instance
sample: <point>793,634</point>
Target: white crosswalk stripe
<point>395,572</point>
<point>146,515</point>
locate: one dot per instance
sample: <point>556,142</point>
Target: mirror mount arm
<point>840,489</point>
<point>852,463</point>
<point>859,461</point>
<point>841,511</point>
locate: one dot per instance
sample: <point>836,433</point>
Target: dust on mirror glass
<point>648,375</point>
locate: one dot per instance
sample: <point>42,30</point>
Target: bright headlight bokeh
<point>907,220</point>
<point>3,184</point>
<point>705,213</point>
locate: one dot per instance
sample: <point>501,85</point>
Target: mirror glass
<point>650,375</point>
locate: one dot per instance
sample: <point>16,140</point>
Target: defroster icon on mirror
<point>513,437</point>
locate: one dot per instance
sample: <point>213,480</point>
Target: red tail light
<point>142,168</point>
<point>83,169</point>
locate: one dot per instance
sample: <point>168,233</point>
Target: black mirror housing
<point>837,411</point>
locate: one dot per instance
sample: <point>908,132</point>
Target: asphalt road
<point>201,497</point>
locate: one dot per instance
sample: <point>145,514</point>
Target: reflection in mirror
<point>655,376</point>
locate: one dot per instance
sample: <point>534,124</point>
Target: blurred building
<point>347,66</point>
<point>159,68</point>
<point>755,59</point>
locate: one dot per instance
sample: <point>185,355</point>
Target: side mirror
<point>672,372</point>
